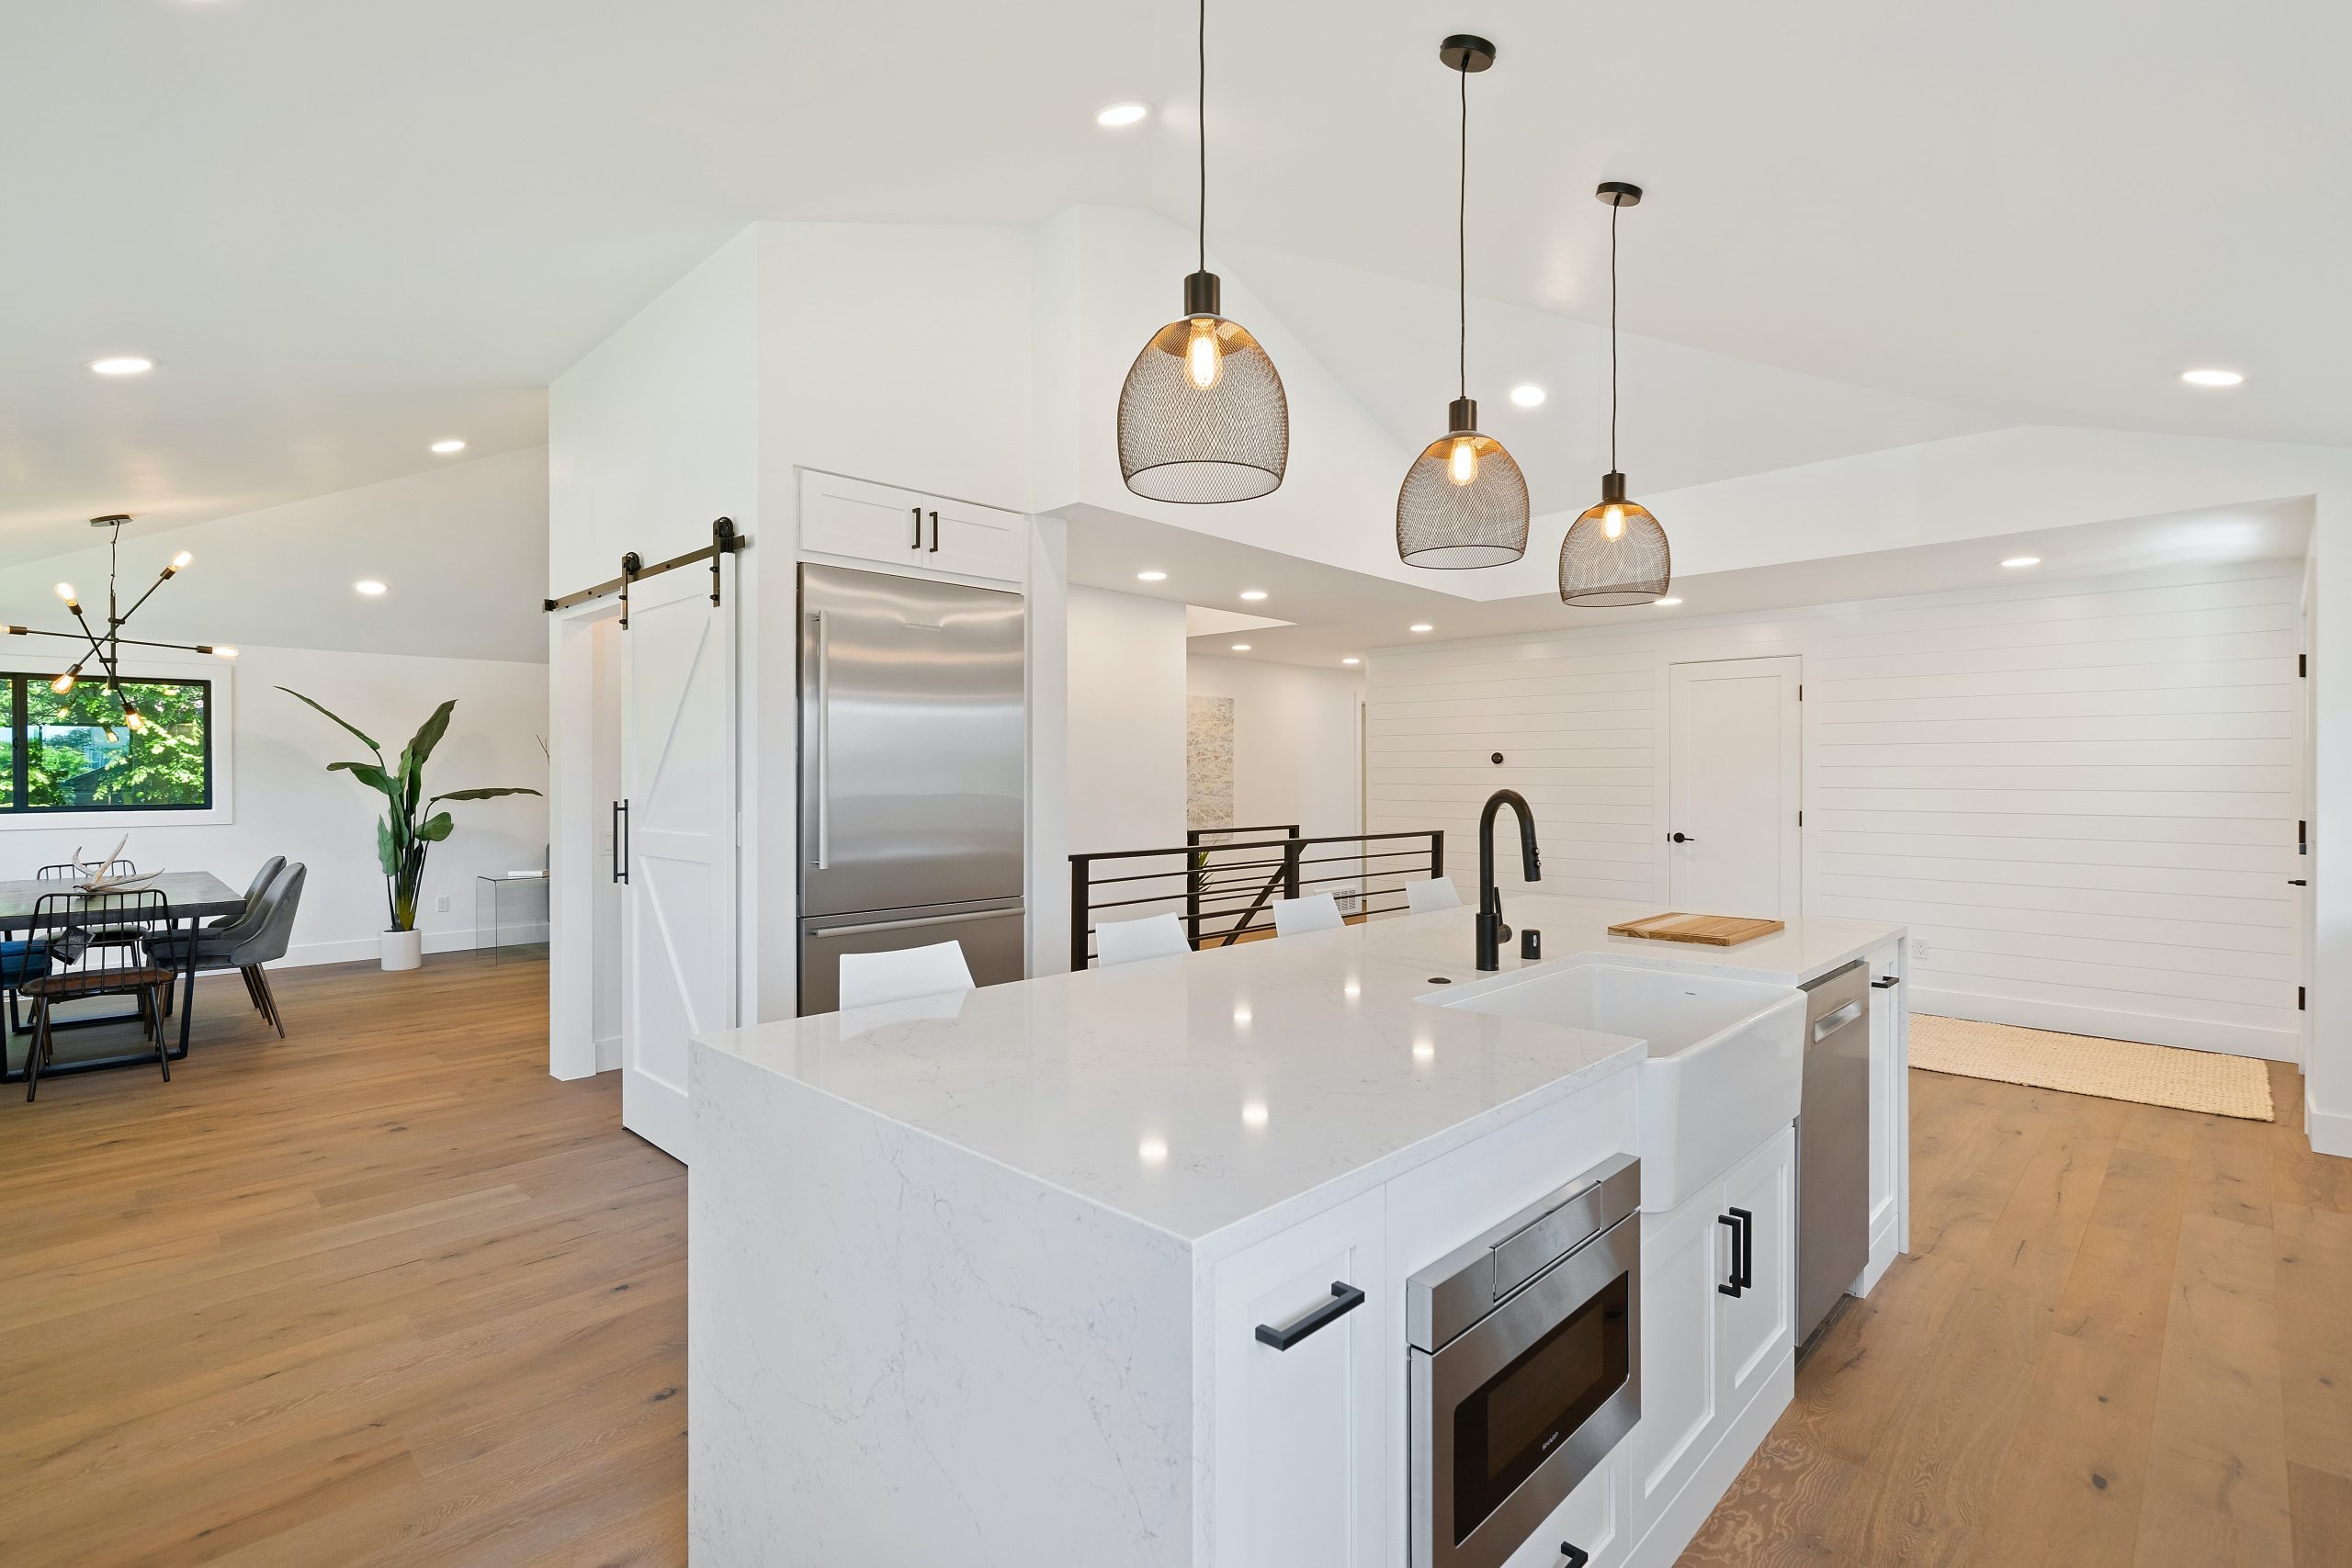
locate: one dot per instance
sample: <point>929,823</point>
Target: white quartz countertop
<point>1195,1092</point>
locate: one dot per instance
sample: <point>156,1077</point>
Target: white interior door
<point>678,840</point>
<point>1734,780</point>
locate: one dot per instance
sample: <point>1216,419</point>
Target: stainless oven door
<point>1511,1415</point>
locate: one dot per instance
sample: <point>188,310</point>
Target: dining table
<point>193,895</point>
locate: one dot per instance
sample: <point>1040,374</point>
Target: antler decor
<point>410,825</point>
<point>103,878</point>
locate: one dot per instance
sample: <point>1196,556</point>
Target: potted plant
<point>408,827</point>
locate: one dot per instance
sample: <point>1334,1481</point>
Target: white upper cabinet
<point>907,531</point>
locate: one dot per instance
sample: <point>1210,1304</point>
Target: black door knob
<point>1683,838</point>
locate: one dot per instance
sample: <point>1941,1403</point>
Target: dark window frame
<point>15,805</point>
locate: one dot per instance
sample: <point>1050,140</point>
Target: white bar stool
<point>1129,941</point>
<point>1435,893</point>
<point>869,979</point>
<point>1315,912</point>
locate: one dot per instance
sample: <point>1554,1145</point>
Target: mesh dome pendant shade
<point>1203,417</point>
<point>1609,560</point>
<point>1456,511</point>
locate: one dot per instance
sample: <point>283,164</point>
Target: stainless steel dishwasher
<point>1833,1143</point>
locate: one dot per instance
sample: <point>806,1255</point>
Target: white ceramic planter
<point>403,950</point>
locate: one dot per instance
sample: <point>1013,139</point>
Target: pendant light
<point>1615,553</point>
<point>1463,502</point>
<point>1202,417</point>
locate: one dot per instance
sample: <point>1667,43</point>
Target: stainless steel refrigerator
<point>913,739</point>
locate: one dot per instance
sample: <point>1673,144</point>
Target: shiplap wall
<point>2080,796</point>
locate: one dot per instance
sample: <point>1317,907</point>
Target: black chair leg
<point>162,1040</point>
<point>269,998</point>
<point>39,1044</point>
<point>252,991</point>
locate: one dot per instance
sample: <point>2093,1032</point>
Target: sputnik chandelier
<point>106,646</point>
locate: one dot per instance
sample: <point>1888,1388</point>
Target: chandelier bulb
<point>136,719</point>
<point>64,683</point>
<point>1204,358</point>
<point>181,560</point>
<point>1612,522</point>
<point>1461,463</point>
<point>65,592</point>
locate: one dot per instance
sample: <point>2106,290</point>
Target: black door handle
<point>1573,1555</point>
<point>2297,881</point>
<point>1681,838</point>
<point>917,543</point>
<point>1731,1287</point>
<point>934,533</point>
<point>620,841</point>
<point>1888,984</point>
<point>1746,1249</point>
<point>1345,1299</point>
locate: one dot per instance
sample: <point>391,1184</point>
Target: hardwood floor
<point>2121,1339</point>
<point>384,1294</point>
<point>380,1293</point>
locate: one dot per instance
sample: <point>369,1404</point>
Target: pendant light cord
<point>1462,244</point>
<point>1201,124</point>
<point>1614,208</point>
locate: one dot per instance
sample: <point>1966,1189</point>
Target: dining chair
<point>1315,912</point>
<point>1126,942</point>
<point>869,979</point>
<point>21,959</point>
<point>254,890</point>
<point>1431,894</point>
<point>81,965</point>
<point>260,939</point>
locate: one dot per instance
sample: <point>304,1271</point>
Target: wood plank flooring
<point>385,1294</point>
<point>380,1293</point>
<point>2121,1338</point>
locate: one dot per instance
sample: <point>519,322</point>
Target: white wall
<point>283,800</point>
<point>1126,722</point>
<point>2080,795</point>
<point>1295,753</point>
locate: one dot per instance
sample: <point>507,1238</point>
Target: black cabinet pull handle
<point>1573,1556</point>
<point>1731,1286</point>
<point>1888,984</point>
<point>620,841</point>
<point>1345,1299</point>
<point>917,543</point>
<point>1746,1249</point>
<point>934,533</point>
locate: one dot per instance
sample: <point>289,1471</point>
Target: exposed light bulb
<point>224,652</point>
<point>1462,462</point>
<point>64,682</point>
<point>65,592</point>
<point>136,719</point>
<point>1612,522</point>
<point>1203,359</point>
<point>181,560</point>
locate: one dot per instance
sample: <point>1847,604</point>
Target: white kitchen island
<point>974,1280</point>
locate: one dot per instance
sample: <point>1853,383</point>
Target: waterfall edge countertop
<point>1213,1095</point>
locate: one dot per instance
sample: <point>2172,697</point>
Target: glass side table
<point>491,890</point>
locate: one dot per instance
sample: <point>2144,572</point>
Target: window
<point>74,753</point>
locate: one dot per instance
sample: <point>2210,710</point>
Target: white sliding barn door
<point>678,775</point>
<point>1733,778</point>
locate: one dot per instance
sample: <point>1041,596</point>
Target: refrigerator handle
<point>824,743</point>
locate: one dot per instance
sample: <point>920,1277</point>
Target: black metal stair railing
<point>1224,899</point>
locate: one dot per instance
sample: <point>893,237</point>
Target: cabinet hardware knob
<point>1888,984</point>
<point>917,511</point>
<point>1573,1556</point>
<point>1730,1287</point>
<point>1746,1247</point>
<point>934,533</point>
<point>1345,1299</point>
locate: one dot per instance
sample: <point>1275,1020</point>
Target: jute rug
<point>2083,1063</point>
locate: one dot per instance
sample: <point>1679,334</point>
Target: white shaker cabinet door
<point>1759,1324</point>
<point>1300,1457</point>
<point>907,531</point>
<point>1684,1259</point>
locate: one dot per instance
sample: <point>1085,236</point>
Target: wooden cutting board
<point>1708,931</point>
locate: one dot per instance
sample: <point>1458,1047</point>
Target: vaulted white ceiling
<point>347,231</point>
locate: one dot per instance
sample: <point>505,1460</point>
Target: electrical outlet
<point>441,904</point>
<point>1919,948</point>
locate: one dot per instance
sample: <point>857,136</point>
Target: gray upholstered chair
<point>259,938</point>
<point>254,890</point>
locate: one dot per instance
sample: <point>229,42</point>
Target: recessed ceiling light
<point>1253,1113</point>
<point>1253,593</point>
<point>123,365</point>
<point>1420,627</point>
<point>2022,560</point>
<point>442,448</point>
<point>2211,378</point>
<point>1151,577</point>
<point>1351,658</point>
<point>1240,647</point>
<point>1527,395</point>
<point>1122,113</point>
<point>368,586</point>
<point>1152,1151</point>
<point>1666,604</point>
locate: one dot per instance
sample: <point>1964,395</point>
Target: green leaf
<point>436,827</point>
<point>386,855</point>
<point>477,794</point>
<point>364,738</point>
<point>371,775</point>
<point>429,733</point>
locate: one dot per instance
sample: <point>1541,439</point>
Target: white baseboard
<point>356,949</point>
<point>2330,1131</point>
<point>2155,1029</point>
<point>609,1053</point>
